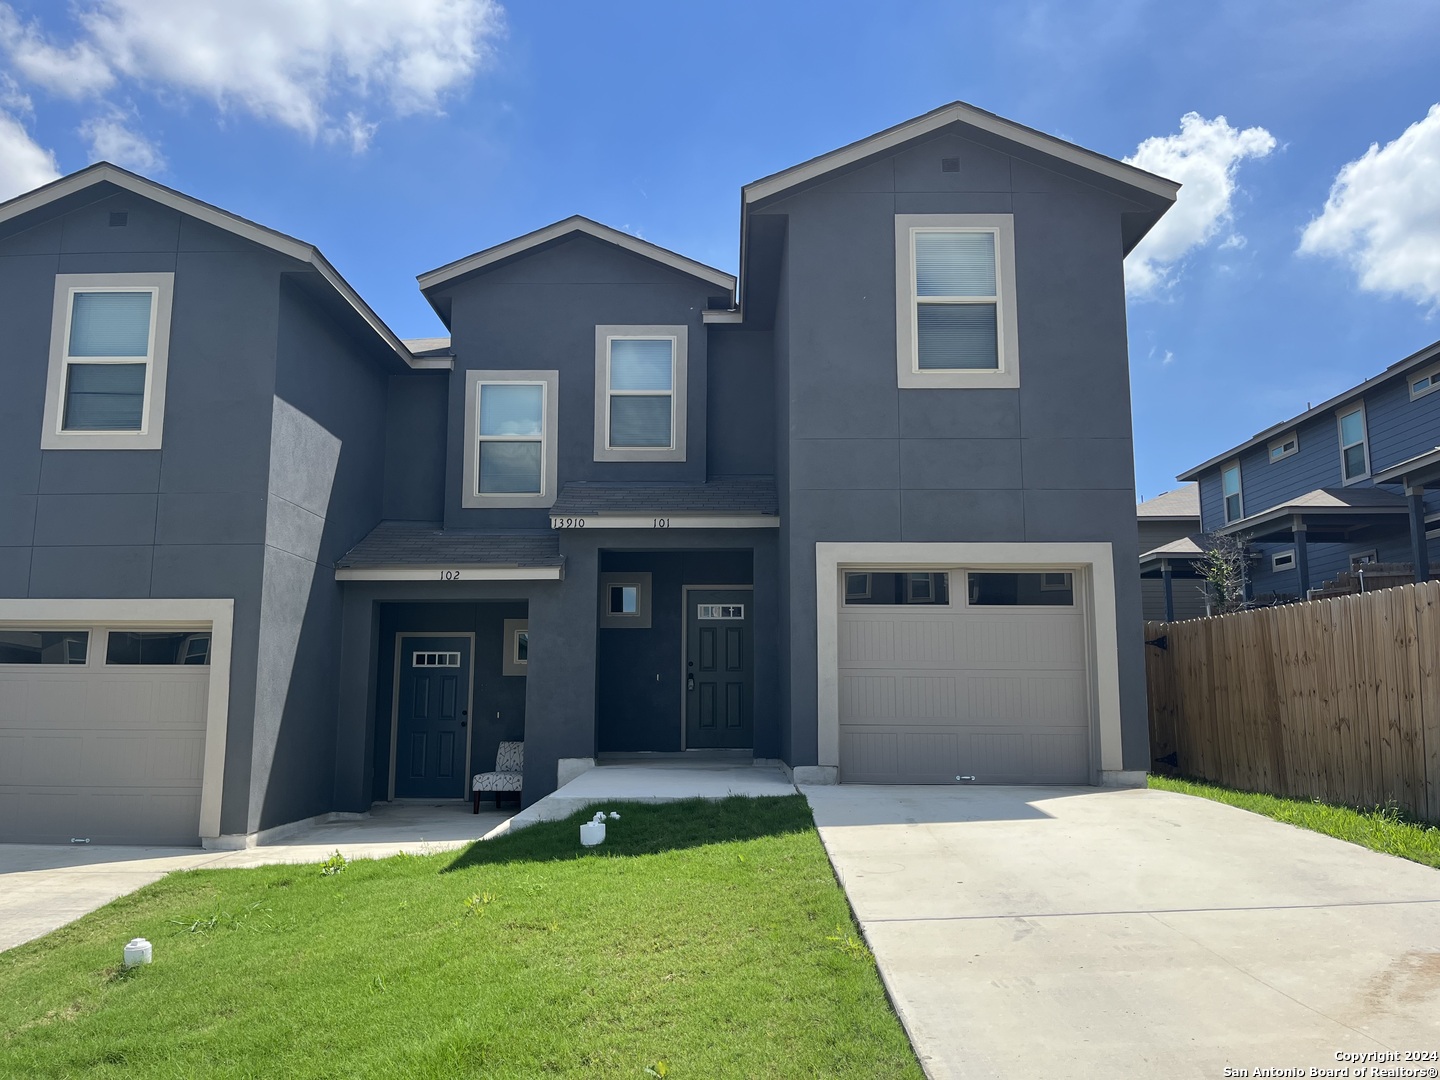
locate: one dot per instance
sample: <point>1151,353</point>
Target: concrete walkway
<point>45,886</point>
<point>651,782</point>
<point>1078,933</point>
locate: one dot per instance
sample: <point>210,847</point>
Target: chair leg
<point>477,802</point>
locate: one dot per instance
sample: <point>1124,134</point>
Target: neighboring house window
<point>510,437</point>
<point>1230,488</point>
<point>625,600</point>
<point>1282,560</point>
<point>1354,454</point>
<point>109,354</point>
<point>955,300</point>
<point>1363,558</point>
<point>1287,445</point>
<point>1424,382</point>
<point>640,392</point>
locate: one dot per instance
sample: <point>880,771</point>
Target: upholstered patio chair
<point>509,769</point>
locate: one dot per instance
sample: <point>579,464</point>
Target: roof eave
<point>1400,367</point>
<point>892,138</point>
<point>299,250</point>
<point>470,264</point>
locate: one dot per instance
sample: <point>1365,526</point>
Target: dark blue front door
<point>431,717</point>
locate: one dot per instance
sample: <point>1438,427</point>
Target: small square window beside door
<point>624,599</point>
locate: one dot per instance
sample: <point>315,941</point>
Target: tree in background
<point>1226,570</point>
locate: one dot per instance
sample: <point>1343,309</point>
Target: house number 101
<point>662,523</point>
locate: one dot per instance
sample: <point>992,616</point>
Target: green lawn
<point>1379,829</point>
<point>703,940</point>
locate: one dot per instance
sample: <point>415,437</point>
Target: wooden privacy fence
<point>1333,699</point>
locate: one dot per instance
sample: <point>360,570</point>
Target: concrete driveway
<point>1034,932</point>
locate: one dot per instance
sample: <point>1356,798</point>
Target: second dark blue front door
<point>431,717</point>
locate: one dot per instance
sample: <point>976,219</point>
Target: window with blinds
<point>641,393</point>
<point>107,359</point>
<point>957,300</point>
<point>511,438</point>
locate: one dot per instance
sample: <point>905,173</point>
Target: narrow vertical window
<point>108,354</point>
<point>510,432</point>
<point>957,300</point>
<point>641,388</point>
<point>511,439</point>
<point>1230,488</point>
<point>1354,454</point>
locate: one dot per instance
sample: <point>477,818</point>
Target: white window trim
<point>1289,436</point>
<point>1239,490</point>
<point>1364,441</point>
<point>1275,567</point>
<point>1432,373</point>
<point>152,419</point>
<point>907,365</point>
<point>470,497</point>
<point>679,336</point>
<point>510,664</point>
<point>1094,568</point>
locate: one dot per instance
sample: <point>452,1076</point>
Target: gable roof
<point>1183,502</point>
<point>576,224</point>
<point>1400,367</point>
<point>961,112</point>
<point>103,172</point>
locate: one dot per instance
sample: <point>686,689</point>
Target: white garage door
<point>102,734</point>
<point>954,673</point>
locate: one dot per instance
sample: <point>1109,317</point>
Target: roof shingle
<point>426,543</point>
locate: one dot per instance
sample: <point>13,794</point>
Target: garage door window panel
<point>21,646</point>
<point>1050,588</point>
<point>888,588</point>
<point>157,648</point>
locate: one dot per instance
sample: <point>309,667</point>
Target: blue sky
<point>398,136</point>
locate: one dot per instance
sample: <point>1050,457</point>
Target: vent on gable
<point>119,219</point>
<point>949,164</point>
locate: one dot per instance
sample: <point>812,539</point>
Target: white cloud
<point>1383,215</point>
<point>1204,156</point>
<point>112,139</point>
<point>75,72</point>
<point>312,65</point>
<point>24,163</point>
<point>1233,242</point>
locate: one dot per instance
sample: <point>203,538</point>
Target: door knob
<point>690,683</point>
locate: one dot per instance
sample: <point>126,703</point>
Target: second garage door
<point>102,735</point>
<point>956,673</point>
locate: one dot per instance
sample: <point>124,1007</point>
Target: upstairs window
<point>108,353</point>
<point>1423,382</point>
<point>955,310</point>
<point>1354,453</point>
<point>511,433</point>
<point>1230,489</point>
<point>1288,445</point>
<point>640,376</point>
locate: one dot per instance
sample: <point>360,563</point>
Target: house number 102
<point>449,575</point>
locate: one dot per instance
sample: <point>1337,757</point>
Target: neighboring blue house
<point>1339,487</point>
<point>868,514</point>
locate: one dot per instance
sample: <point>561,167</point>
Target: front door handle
<point>690,683</point>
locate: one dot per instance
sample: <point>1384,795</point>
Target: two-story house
<point>1342,485</point>
<point>867,513</point>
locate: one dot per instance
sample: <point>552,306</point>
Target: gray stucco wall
<point>325,492</point>
<point>1049,461</point>
<point>539,312</point>
<point>415,445</point>
<point>741,422</point>
<point>189,519</point>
